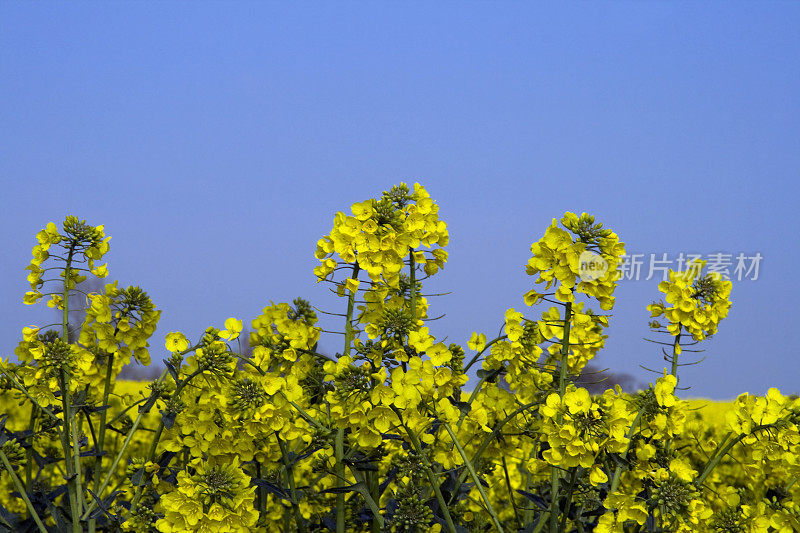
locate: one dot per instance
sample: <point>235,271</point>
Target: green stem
<point>67,444</point>
<point>572,478</point>
<point>528,514</point>
<point>305,416</point>
<point>485,444</point>
<point>413,268</point>
<point>99,446</point>
<point>378,523</point>
<point>714,461</point>
<point>372,490</point>
<point>127,441</point>
<point>348,326</point>
<point>562,378</point>
<point>339,442</point>
<point>478,355</point>
<point>122,413</point>
<point>542,521</point>
<point>474,476</point>
<point>65,297</point>
<point>101,435</point>
<point>150,455</point>
<point>674,352</point>
<point>431,476</point>
<point>22,492</point>
<point>76,456</point>
<point>721,450</point>
<point>338,450</point>
<point>159,430</point>
<point>29,450</point>
<point>261,501</point>
<point>298,518</point>
<point>511,492</point>
<point>471,398</point>
<point>562,386</point>
<point>114,463</point>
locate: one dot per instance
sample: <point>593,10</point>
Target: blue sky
<point>216,140</point>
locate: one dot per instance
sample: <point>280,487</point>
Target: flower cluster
<point>583,258</point>
<point>266,432</point>
<point>695,303</point>
<point>584,425</point>
<point>79,242</point>
<point>215,498</point>
<point>380,233</point>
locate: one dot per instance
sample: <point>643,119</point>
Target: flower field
<point>383,436</point>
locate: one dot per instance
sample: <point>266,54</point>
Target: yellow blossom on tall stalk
<point>380,232</point>
<point>695,303</point>
<point>583,258</point>
<point>266,433</point>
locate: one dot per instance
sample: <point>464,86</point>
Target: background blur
<point>215,141</point>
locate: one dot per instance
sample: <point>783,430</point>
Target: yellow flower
<point>578,401</point>
<point>477,342</point>
<point>383,418</point>
<point>362,210</point>
<point>420,340</point>
<point>439,354</point>
<point>101,271</point>
<point>176,342</point>
<point>233,327</point>
<point>664,390</point>
<point>352,284</point>
<point>682,469</point>
<point>30,333</point>
<point>31,297</point>
<point>597,476</point>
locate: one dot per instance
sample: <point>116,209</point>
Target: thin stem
<point>474,476</point>
<point>29,450</point>
<point>511,492</point>
<point>338,450</point>
<point>675,346</point>
<point>127,441</point>
<point>562,385</point>
<point>73,483</point>
<point>717,457</point>
<point>431,476</point>
<point>573,475</point>
<point>154,444</point>
<point>339,442</point>
<point>413,268</point>
<point>114,463</point>
<point>298,518</point>
<point>372,495</point>
<point>22,492</point>
<point>260,493</point>
<point>348,326</point>
<point>485,445</point>
<point>370,499</point>
<point>66,446</point>
<point>478,355</point>
<point>542,521</point>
